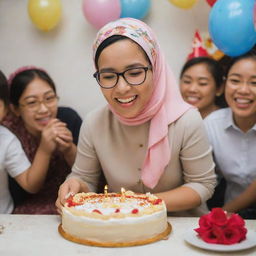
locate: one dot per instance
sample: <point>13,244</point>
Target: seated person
<point>14,162</point>
<point>147,139</point>
<point>201,84</point>
<point>36,118</point>
<point>232,130</point>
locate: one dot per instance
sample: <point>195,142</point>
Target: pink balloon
<point>100,12</point>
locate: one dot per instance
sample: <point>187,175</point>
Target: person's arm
<point>71,186</point>
<point>29,176</point>
<point>33,178</point>
<point>181,198</point>
<point>85,171</point>
<point>197,164</point>
<point>244,200</point>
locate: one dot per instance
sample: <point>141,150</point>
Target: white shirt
<point>234,151</point>
<point>13,161</point>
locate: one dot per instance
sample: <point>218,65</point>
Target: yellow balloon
<point>45,14</point>
<point>185,4</point>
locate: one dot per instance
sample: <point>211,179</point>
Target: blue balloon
<point>137,9</point>
<point>231,26</point>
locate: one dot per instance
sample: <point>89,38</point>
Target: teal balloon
<point>137,9</point>
<point>231,26</point>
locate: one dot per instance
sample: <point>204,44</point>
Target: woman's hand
<point>64,140</point>
<point>70,187</point>
<point>65,145</point>
<point>49,135</point>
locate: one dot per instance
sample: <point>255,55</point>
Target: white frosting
<point>80,221</point>
<point>110,206</point>
<point>126,220</point>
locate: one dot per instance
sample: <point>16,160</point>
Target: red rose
<point>217,228</point>
<point>213,235</point>
<point>235,220</point>
<point>232,235</point>
<point>218,217</point>
<point>205,223</point>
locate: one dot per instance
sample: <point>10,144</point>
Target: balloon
<point>254,17</point>
<point>231,26</point>
<point>185,4</point>
<point>211,2</point>
<point>137,9</point>
<point>45,14</point>
<point>100,12</point>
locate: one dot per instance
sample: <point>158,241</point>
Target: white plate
<point>250,241</point>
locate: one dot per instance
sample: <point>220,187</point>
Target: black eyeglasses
<point>133,76</point>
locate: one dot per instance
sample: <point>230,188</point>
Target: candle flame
<point>106,189</point>
<point>122,199</point>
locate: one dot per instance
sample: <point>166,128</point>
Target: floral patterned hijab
<point>166,104</point>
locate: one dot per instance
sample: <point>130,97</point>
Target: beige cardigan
<point>118,150</point>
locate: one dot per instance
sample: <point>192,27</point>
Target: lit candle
<point>106,191</point>
<point>122,194</point>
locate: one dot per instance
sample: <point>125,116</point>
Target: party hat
<point>198,49</point>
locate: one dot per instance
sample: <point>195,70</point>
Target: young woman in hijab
<point>147,139</point>
<point>37,120</point>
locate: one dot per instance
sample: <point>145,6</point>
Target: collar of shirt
<point>229,124</point>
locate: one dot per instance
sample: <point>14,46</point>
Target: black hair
<point>212,65</point>
<point>4,95</point>
<point>110,40</point>
<point>249,55</point>
<point>214,68</point>
<point>20,82</point>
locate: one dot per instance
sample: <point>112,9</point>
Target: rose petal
<point>236,220</point>
<point>218,217</point>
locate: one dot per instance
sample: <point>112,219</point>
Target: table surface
<point>36,235</point>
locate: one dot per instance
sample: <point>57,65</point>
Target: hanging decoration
<point>210,47</point>
<point>211,2</point>
<point>137,9</point>
<point>231,26</point>
<point>184,4</point>
<point>100,12</point>
<point>198,49</point>
<point>45,14</point>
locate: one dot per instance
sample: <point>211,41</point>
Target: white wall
<point>65,52</point>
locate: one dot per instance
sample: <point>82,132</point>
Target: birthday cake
<point>114,220</point>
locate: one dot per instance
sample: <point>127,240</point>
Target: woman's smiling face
<point>240,90</point>
<point>36,120</point>
<point>127,100</point>
<point>198,88</point>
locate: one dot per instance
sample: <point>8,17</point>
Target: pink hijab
<point>166,104</point>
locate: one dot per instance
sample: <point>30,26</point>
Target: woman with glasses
<point>232,131</point>
<point>147,139</point>
<point>41,127</point>
<point>13,160</point>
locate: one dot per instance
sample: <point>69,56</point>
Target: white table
<point>36,235</point>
